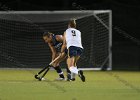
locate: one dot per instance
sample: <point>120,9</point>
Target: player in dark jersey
<point>55,43</point>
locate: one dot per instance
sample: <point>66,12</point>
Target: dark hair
<point>48,34</point>
<point>72,23</point>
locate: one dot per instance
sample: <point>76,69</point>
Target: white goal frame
<point>94,12</point>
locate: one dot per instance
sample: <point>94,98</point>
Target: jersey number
<point>73,33</point>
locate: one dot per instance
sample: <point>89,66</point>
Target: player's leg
<point>62,58</point>
<point>76,60</point>
<point>73,56</point>
<point>71,59</point>
<point>58,69</point>
<point>73,74</point>
<point>67,69</point>
<point>80,72</point>
<point>70,62</point>
<point>79,53</point>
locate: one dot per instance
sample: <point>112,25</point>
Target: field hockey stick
<point>40,78</point>
<point>47,67</point>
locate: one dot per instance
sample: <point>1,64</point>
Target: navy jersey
<point>56,43</point>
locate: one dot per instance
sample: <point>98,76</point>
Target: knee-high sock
<point>59,71</point>
<point>73,74</point>
<point>73,70</point>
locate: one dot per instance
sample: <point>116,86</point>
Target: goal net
<point>22,46</point>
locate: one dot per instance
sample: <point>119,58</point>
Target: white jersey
<point>73,38</point>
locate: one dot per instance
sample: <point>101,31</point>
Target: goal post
<point>22,46</point>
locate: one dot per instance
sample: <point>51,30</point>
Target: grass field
<point>21,85</point>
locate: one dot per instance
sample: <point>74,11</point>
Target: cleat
<point>80,74</point>
<point>73,79</point>
<point>69,78</point>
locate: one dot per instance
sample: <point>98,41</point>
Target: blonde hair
<point>72,23</point>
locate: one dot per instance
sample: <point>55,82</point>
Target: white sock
<point>73,75</point>
<point>74,70</point>
<point>60,73</point>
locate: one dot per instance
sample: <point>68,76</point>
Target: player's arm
<point>64,43</point>
<point>53,51</point>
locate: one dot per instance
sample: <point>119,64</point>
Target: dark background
<point>126,18</point>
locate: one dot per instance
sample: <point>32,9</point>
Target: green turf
<point>21,85</point>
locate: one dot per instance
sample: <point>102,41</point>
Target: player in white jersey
<point>72,40</point>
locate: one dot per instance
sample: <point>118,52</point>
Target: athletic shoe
<point>73,79</point>
<point>69,78</point>
<point>80,74</point>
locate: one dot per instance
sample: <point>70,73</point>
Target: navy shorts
<point>74,51</point>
